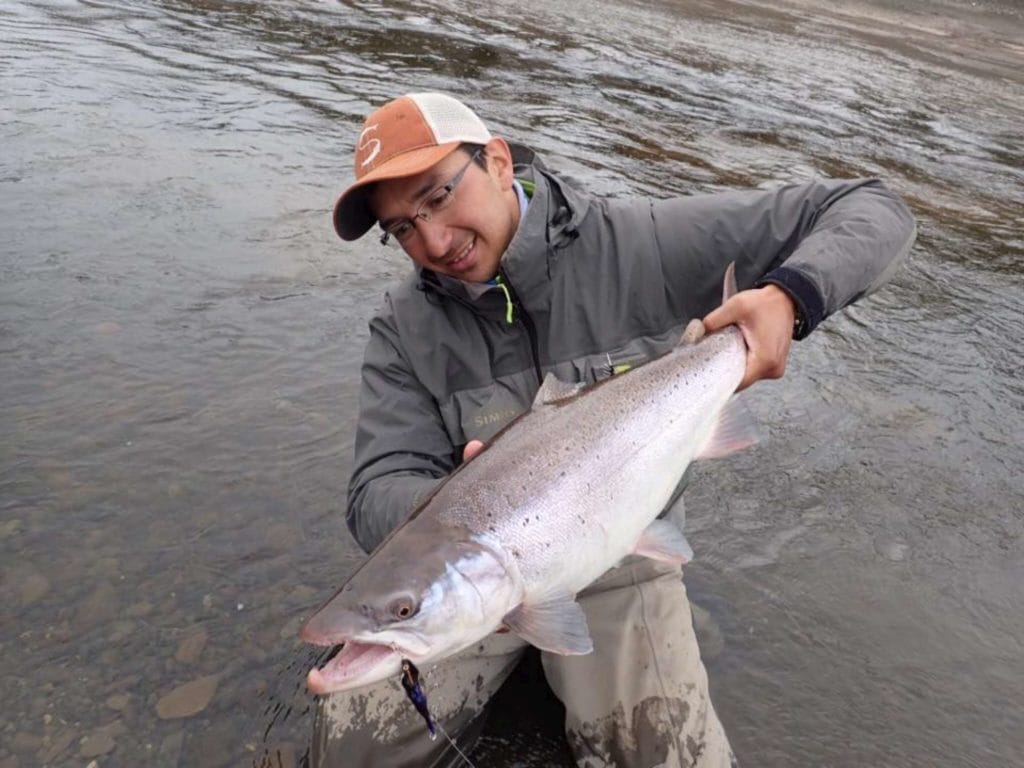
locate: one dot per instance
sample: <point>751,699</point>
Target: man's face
<point>468,237</point>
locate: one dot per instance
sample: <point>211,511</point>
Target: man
<point>519,274</point>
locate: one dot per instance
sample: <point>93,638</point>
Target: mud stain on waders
<point>648,736</point>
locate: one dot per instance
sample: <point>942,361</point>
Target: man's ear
<point>499,161</point>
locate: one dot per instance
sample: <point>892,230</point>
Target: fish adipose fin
<point>662,540</point>
<point>729,288</point>
<point>733,431</point>
<point>694,330</point>
<point>553,389</point>
<point>556,624</point>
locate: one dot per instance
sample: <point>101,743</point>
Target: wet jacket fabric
<point>589,288</point>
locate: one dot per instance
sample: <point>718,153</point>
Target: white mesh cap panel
<point>450,119</point>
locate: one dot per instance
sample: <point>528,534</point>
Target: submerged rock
<point>188,699</point>
<point>101,741</point>
<point>98,608</point>
<point>191,647</point>
<point>34,588</point>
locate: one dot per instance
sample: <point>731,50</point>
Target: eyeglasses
<point>435,202</point>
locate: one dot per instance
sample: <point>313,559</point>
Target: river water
<point>181,333</point>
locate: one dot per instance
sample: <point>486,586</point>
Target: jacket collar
<point>550,224</point>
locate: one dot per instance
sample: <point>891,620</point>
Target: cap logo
<point>369,143</point>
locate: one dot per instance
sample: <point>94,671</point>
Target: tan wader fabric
<point>640,700</point>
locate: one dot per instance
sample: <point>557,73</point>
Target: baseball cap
<point>404,137</point>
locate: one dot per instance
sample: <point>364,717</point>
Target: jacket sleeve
<point>401,448</point>
<point>826,243</point>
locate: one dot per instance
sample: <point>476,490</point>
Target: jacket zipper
<point>524,316</point>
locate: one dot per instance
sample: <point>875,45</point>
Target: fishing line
<point>454,745</point>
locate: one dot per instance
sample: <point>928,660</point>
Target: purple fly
<point>413,689</point>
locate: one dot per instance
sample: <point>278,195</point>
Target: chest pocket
<point>480,413</point>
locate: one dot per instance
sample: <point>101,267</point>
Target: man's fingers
<point>765,318</point>
<point>727,314</point>
<point>759,368</point>
<point>473,447</point>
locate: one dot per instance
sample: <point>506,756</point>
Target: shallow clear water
<point>180,336</point>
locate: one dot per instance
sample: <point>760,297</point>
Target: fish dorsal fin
<point>729,282</point>
<point>556,623</point>
<point>554,389</point>
<point>662,540</point>
<point>733,431</point>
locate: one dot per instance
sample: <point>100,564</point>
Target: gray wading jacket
<point>593,287</point>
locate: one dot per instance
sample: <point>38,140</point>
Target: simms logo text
<point>495,417</point>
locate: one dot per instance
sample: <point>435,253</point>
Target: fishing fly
<point>414,690</point>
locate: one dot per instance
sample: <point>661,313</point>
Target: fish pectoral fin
<point>553,389</point>
<point>556,624</point>
<point>662,540</point>
<point>733,431</point>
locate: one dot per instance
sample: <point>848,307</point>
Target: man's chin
<point>478,274</point>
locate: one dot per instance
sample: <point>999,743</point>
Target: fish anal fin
<point>556,624</point>
<point>553,389</point>
<point>733,431</point>
<point>662,540</point>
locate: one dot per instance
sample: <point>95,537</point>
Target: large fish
<point>559,497</point>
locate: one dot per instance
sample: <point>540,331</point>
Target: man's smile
<point>459,260</point>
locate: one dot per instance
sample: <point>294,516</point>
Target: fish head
<point>413,599</point>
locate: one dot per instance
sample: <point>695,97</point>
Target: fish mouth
<point>356,664</point>
<point>362,653</point>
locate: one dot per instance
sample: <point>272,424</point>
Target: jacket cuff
<point>810,307</point>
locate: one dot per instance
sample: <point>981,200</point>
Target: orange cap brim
<point>352,214</point>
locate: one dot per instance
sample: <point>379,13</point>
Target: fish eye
<point>403,607</point>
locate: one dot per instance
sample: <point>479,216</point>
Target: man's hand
<point>765,316</point>
<point>473,447</point>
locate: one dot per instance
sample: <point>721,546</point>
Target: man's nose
<point>436,238</point>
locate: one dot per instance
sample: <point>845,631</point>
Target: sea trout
<point>556,499</point>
